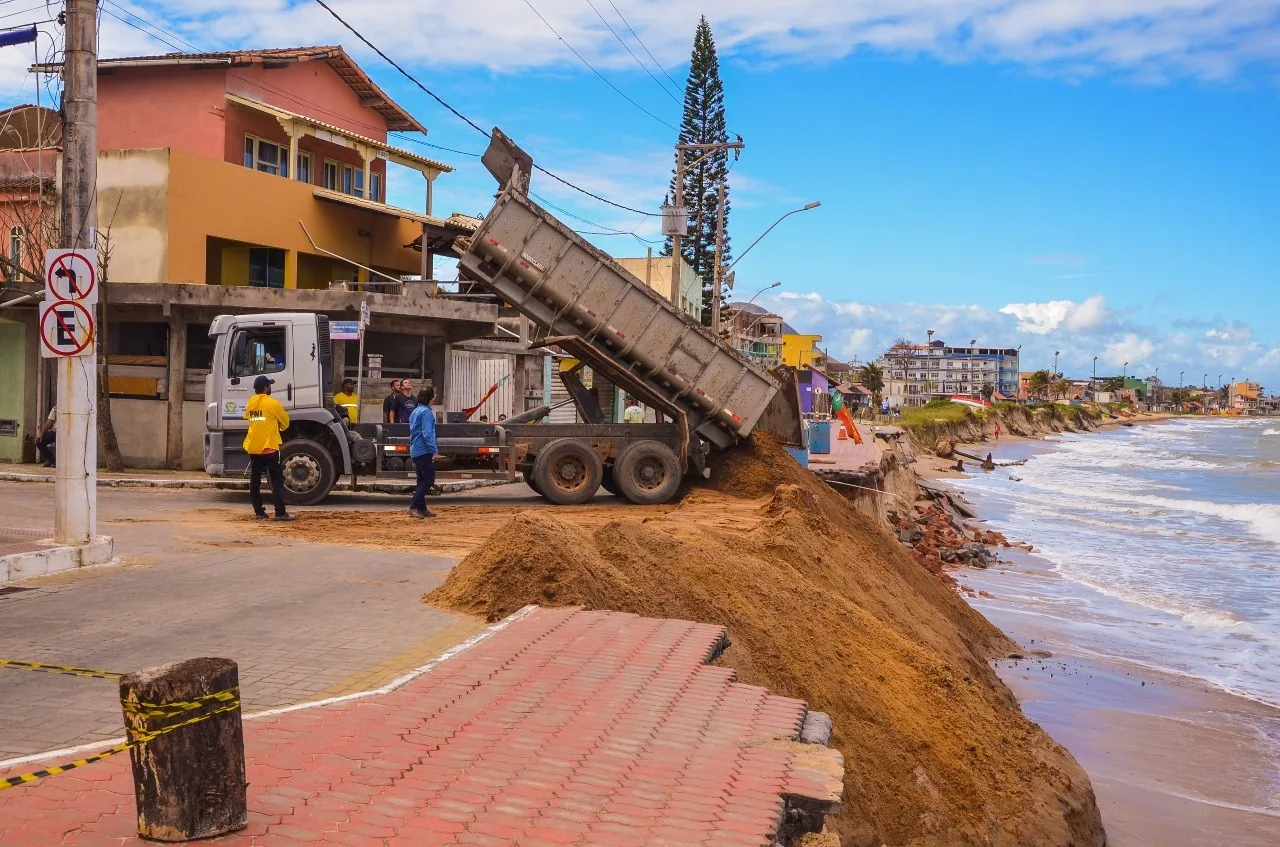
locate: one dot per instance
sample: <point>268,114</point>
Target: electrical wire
<point>674,84</point>
<point>592,67</point>
<point>643,66</point>
<point>472,123</point>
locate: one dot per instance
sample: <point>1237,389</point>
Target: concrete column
<point>520,384</point>
<point>291,269</point>
<point>177,381</point>
<point>339,362</point>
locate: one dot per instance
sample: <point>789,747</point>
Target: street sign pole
<point>76,477</point>
<point>364,322</point>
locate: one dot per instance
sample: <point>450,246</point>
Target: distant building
<point>656,272</point>
<point>1245,397</point>
<point>754,331</point>
<point>917,373</point>
<point>800,350</point>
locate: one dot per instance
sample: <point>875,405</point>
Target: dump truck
<point>706,395</point>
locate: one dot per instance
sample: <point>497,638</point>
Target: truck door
<point>256,350</point>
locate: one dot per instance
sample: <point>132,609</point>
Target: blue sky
<point>1096,178</point>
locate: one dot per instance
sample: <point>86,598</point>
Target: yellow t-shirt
<point>267,419</point>
<point>352,404</point>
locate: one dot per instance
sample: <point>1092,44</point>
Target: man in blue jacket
<point>422,448</point>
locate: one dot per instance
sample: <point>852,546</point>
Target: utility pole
<point>76,491</point>
<point>678,200</point>
<point>718,270</point>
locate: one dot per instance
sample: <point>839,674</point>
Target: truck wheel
<point>647,473</point>
<point>608,483</point>
<point>567,472</point>
<point>527,472</point>
<point>309,472</point>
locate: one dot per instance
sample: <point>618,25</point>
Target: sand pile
<point>824,605</point>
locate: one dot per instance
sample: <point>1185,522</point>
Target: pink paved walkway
<point>567,727</point>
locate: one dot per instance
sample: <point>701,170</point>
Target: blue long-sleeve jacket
<point>422,432</point>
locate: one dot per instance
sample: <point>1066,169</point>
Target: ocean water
<point>1159,545</point>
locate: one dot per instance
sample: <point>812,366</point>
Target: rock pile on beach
<point>940,542</point>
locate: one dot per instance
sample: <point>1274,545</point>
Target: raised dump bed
<point>587,304</point>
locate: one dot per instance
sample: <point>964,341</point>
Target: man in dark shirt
<point>406,403</point>
<point>389,404</point>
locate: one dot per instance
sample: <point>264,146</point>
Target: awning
<point>343,137</point>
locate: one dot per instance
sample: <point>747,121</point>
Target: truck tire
<point>567,472</point>
<point>647,473</point>
<point>527,472</point>
<point>309,471</point>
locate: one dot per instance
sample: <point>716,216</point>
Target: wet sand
<point>1174,761</point>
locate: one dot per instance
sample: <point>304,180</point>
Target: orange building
<point>231,182</point>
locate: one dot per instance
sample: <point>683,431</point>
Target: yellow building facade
<point>800,350</point>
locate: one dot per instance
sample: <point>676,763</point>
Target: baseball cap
<point>262,382</point>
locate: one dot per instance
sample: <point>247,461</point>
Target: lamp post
<point>1217,399</point>
<point>1155,389</point>
<point>762,291</point>
<point>1055,362</point>
<point>720,272</point>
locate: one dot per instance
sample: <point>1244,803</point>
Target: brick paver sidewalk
<point>566,727</point>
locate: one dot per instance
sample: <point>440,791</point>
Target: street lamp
<point>1055,362</point>
<point>807,206</point>
<point>762,291</point>
<point>1095,369</point>
<point>1156,387</point>
<point>1124,376</point>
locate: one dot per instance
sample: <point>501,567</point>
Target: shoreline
<point>1174,759</point>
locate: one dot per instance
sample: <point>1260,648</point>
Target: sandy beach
<point>1174,760</point>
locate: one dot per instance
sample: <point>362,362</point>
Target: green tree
<point>1114,383</point>
<point>871,376</point>
<point>987,391</point>
<point>1060,387</point>
<point>1038,383</point>
<point>703,123</point>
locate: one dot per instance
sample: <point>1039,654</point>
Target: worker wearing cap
<point>267,419</point>
<point>347,399</point>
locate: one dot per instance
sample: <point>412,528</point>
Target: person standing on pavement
<point>633,413</point>
<point>422,449</point>
<point>46,438</point>
<point>267,419</point>
<point>389,404</point>
<point>347,399</point>
<point>405,405</point>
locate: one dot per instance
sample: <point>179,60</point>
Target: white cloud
<point>1151,39</point>
<point>1044,318</point>
<point>1131,349</point>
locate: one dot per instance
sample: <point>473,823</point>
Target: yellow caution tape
<point>11,781</point>
<point>63,669</point>
<point>164,710</point>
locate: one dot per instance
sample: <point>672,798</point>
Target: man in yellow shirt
<point>347,399</point>
<point>267,419</point>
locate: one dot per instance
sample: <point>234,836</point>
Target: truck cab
<point>294,351</point>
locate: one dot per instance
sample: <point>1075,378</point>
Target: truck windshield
<point>257,351</point>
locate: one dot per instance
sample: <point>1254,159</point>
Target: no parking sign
<point>66,315</point>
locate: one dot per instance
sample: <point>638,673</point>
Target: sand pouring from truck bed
<point>824,605</point>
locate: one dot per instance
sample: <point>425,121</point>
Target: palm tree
<point>1060,387</point>
<point>871,376</point>
<point>987,391</point>
<point>1038,383</point>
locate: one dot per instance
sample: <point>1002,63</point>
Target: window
<point>17,240</point>
<point>304,167</point>
<point>266,267</point>
<point>265,156</point>
<point>329,178</point>
<point>352,181</point>
<point>257,351</point>
<point>375,187</point>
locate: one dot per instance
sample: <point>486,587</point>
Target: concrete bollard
<point>188,769</point>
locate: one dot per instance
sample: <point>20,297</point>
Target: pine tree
<point>703,123</point>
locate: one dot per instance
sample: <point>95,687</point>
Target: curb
<point>381,487</point>
<point>51,559</point>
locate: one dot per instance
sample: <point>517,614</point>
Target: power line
<point>402,137</point>
<point>646,49</point>
<point>592,67</point>
<point>656,81</point>
<point>472,123</point>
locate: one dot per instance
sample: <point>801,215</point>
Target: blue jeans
<point>426,469</point>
